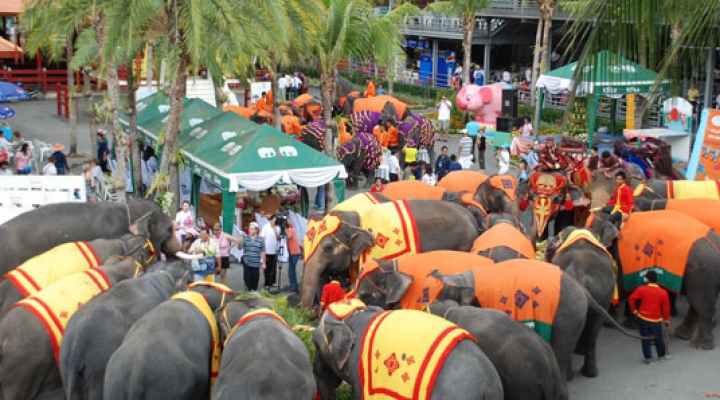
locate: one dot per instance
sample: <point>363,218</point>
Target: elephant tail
<point>602,311</point>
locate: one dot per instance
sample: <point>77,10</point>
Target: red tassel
<point>523,204</point>
<point>568,204</point>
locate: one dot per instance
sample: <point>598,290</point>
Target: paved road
<point>623,376</point>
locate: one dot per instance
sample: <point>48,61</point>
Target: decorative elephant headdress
<point>319,229</point>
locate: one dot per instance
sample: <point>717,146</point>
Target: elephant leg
<point>704,308</point>
<point>673,304</point>
<point>588,340</point>
<point>686,329</point>
<point>28,368</point>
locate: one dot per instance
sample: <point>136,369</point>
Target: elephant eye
<point>327,247</point>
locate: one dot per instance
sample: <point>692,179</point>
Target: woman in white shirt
<point>428,177</point>
<point>185,219</point>
<point>503,160</point>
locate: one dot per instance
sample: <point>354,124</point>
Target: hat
<point>217,227</point>
<point>58,147</point>
<point>411,143</point>
<point>463,131</point>
<point>101,132</point>
<point>254,225</point>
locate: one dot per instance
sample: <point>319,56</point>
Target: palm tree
<point>466,9</point>
<point>541,59</point>
<point>350,28</point>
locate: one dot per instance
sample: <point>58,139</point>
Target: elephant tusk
<point>304,328</point>
<point>185,256</point>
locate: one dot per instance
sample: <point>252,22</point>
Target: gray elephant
<point>39,230</point>
<point>41,271</point>
<point>526,363</point>
<point>361,345</point>
<point>94,333</point>
<point>173,351</point>
<point>400,227</point>
<point>504,239</point>
<point>252,331</point>
<point>580,254</point>
<point>700,280</point>
<point>671,189</point>
<point>31,331</point>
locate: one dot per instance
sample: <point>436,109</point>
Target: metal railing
<point>559,102</point>
<point>451,25</point>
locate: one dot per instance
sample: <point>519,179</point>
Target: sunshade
<point>12,93</point>
<point>607,74</point>
<point>9,50</point>
<point>259,158</point>
<point>195,112</point>
<point>157,104</point>
<point>380,104</point>
<point>6,112</point>
<point>207,133</point>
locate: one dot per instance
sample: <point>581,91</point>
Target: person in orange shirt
<point>392,135</point>
<point>370,91</point>
<point>264,103</point>
<point>381,134</point>
<point>344,130</point>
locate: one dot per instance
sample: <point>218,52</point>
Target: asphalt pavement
<point>623,376</point>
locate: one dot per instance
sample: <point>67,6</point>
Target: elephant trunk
<point>460,99</point>
<point>311,278</point>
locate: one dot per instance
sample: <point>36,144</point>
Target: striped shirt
<point>252,251</point>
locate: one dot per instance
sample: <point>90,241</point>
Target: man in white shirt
<point>295,84</point>
<point>271,234</point>
<point>444,107</point>
<point>393,166</point>
<point>282,88</point>
<point>50,168</point>
<point>528,74</point>
<point>503,159</point>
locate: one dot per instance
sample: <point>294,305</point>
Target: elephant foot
<point>570,374</point>
<point>683,333</point>
<point>702,345</point>
<point>673,311</point>
<point>630,323</point>
<point>580,348</point>
<point>589,370</point>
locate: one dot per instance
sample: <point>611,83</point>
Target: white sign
<point>256,90</point>
<point>21,193</point>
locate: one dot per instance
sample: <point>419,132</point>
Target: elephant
<point>98,328</point>
<point>526,363</point>
<point>504,240</point>
<point>173,351</point>
<point>421,131</point>
<point>483,101</point>
<point>41,271</point>
<point>30,338</point>
<point>580,254</point>
<point>552,199</point>
<point>251,331</point>
<point>647,232</point>
<point>670,189</point>
<point>39,230</point>
<point>352,155</point>
<point>496,193</point>
<point>398,227</point>
<point>696,208</point>
<point>348,332</point>
<point>405,283</point>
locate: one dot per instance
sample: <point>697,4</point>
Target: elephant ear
<point>575,192</point>
<point>454,288</point>
<point>360,240</point>
<point>339,339</point>
<point>397,285</point>
<point>486,94</point>
<point>140,227</point>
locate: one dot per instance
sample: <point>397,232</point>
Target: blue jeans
<point>292,274</point>
<point>648,328</point>
<point>320,197</point>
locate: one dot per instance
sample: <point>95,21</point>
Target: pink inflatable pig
<point>484,101</point>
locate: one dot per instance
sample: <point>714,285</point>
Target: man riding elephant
<point>552,158</point>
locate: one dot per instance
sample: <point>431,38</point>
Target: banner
<point>21,193</point>
<point>705,159</point>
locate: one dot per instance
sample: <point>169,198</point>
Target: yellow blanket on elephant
<point>580,235</point>
<point>693,190</point>
<point>649,241</point>
<point>358,203</point>
<point>699,209</point>
<point>343,308</point>
<point>394,230</point>
<point>403,352</point>
<point>423,289</point>
<point>504,235</point>
<point>526,290</point>
<point>41,271</point>
<point>56,304</point>
<point>319,229</point>
<point>199,301</point>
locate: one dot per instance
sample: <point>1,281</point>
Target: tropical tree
<point>541,56</point>
<point>350,28</point>
<point>466,9</point>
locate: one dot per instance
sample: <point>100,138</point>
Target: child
<point>331,292</point>
<point>523,168</point>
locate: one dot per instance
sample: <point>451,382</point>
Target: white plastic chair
<point>44,150</point>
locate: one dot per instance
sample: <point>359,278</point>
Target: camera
<point>281,221</point>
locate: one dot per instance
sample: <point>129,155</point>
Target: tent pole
<point>195,193</point>
<point>613,116</point>
<point>592,114</point>
<point>228,211</point>
<point>538,111</point>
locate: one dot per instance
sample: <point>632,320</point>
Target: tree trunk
<point>536,53</point>
<point>71,93</point>
<point>272,69</point>
<point>467,47</point>
<point>119,137</point>
<point>134,140</point>
<point>169,161</point>
<point>549,14</point>
<point>88,94</point>
<point>327,94</point>
<point>148,66</point>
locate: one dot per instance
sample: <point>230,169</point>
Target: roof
<point>9,50</point>
<point>11,8</point>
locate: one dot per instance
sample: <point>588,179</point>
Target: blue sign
<point>412,44</point>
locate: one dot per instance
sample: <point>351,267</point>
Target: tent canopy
<point>233,152</point>
<point>9,50</point>
<point>607,74</point>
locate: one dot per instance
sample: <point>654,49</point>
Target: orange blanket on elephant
<point>706,211</point>
<point>424,289</point>
<point>413,190</point>
<point>504,235</point>
<point>406,365</point>
<point>661,241</point>
<point>693,190</point>
<point>526,290</point>
<point>41,271</point>
<point>55,305</point>
<point>463,181</point>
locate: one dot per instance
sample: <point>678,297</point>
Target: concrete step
<point>202,89</point>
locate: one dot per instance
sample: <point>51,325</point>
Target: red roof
<point>9,50</point>
<point>11,8</point>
